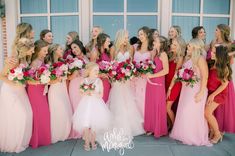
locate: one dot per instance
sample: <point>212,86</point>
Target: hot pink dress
<point>155,118</point>
<point>106,85</point>
<point>139,84</point>
<point>190,125</point>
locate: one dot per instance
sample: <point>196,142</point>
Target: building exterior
<point>62,16</point>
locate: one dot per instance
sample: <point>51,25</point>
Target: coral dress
<point>106,85</point>
<point>190,125</point>
<point>155,118</point>
<point>15,119</point>
<point>139,84</point>
<point>175,91</point>
<point>60,111</point>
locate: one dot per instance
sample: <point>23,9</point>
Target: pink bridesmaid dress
<point>155,118</point>
<point>75,97</point>
<point>139,84</point>
<point>106,85</point>
<point>190,125</point>
<point>15,118</point>
<point>41,135</point>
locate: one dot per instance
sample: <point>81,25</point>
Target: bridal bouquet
<point>122,71</point>
<point>43,74</point>
<point>187,75</point>
<point>59,69</point>
<point>74,64</point>
<point>105,66</point>
<point>144,67</point>
<point>20,74</point>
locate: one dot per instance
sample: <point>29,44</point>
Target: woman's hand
<point>210,99</point>
<point>198,96</point>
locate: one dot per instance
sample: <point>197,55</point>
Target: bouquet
<point>144,67</point>
<point>105,66</point>
<point>187,75</point>
<point>74,64</point>
<point>87,87</point>
<point>20,74</point>
<point>122,71</point>
<point>58,69</point>
<point>43,74</point>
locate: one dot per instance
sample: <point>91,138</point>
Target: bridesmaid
<point>176,57</point>
<point>192,101</point>
<point>218,80</point>
<point>225,113</point>
<point>15,110</point>
<point>96,30</point>
<point>47,36</point>
<point>155,118</point>
<point>174,32</point>
<point>71,37</point>
<point>78,50</point>
<point>41,115</point>
<point>142,52</point>
<point>102,53</point>
<point>58,98</point>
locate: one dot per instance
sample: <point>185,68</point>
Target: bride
<point>127,118</point>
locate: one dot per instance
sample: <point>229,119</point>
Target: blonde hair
<point>89,67</point>
<point>178,29</point>
<point>51,52</point>
<point>23,30</point>
<point>24,45</point>
<point>198,49</point>
<point>120,37</point>
<point>181,47</point>
<point>89,46</point>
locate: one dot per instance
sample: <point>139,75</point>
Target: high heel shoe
<point>87,147</point>
<point>217,139</point>
<point>94,146</point>
<point>211,134</point>
<point>149,133</point>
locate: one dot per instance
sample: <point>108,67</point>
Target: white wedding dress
<point>121,102</point>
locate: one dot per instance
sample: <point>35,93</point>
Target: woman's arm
<point>202,65</point>
<point>112,53</point>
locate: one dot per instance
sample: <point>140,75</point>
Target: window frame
<point>49,15</point>
<point>125,14</point>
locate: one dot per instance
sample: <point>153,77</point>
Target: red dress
<point>213,83</point>
<point>175,91</point>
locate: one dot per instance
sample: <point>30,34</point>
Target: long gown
<point>106,85</point>
<point>190,125</point>
<point>122,105</point>
<point>41,134</point>
<point>155,118</point>
<point>60,111</point>
<point>15,119</point>
<point>139,84</point>
<point>75,97</point>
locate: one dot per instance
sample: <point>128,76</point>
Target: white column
<point>165,16</point>
<point>11,22</point>
<point>85,20</point>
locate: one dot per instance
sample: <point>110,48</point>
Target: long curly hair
<point>100,42</point>
<point>149,36</point>
<point>222,63</point>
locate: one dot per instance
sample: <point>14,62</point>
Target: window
<point>125,14</point>
<point>190,13</point>
<point>60,16</point>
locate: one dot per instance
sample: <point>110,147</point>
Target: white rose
<point>45,79</point>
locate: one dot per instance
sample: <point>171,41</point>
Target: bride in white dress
<point>121,99</point>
